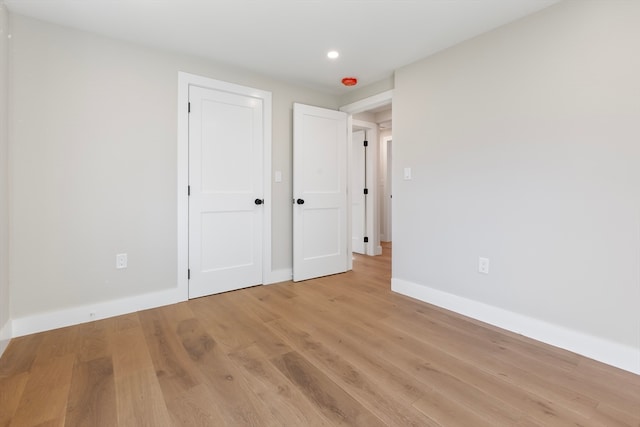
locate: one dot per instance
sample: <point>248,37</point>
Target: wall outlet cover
<point>483,265</point>
<point>121,261</point>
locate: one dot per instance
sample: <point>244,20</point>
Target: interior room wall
<point>5,324</point>
<point>383,118</point>
<point>365,116</point>
<point>94,142</point>
<point>524,149</point>
<point>358,93</point>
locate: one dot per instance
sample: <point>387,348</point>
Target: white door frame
<point>184,81</point>
<point>386,202</point>
<point>375,101</point>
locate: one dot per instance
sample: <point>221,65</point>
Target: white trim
<point>387,202</point>
<point>611,353</point>
<point>6,332</point>
<point>349,236</point>
<point>184,81</point>
<point>278,276</point>
<point>267,270</point>
<point>369,103</point>
<point>90,312</point>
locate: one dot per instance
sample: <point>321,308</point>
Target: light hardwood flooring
<point>340,350</point>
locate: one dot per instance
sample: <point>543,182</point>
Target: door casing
<point>386,193</point>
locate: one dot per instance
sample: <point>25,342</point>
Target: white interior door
<point>320,243</point>
<point>358,202</point>
<point>366,159</point>
<point>226,191</point>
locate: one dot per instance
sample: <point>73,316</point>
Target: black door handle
<point>300,201</point>
<point>258,201</point>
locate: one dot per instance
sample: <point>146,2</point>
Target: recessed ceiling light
<point>333,54</point>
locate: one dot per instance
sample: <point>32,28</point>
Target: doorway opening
<point>372,170</point>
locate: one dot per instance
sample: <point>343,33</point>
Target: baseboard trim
<point>602,350</point>
<point>6,333</point>
<point>277,276</point>
<point>87,313</point>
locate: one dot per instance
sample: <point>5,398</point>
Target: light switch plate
<point>407,174</point>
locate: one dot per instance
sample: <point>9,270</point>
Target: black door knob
<point>258,201</point>
<point>300,202</point>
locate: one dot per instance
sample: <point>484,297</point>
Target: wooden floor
<point>341,350</point>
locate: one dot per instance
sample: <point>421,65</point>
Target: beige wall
<point>94,142</point>
<point>359,93</point>
<point>525,148</point>
<point>5,333</point>
<point>523,144</point>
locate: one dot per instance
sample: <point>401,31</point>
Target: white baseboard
<point>75,315</point>
<point>90,312</point>
<point>5,336</point>
<point>277,276</point>
<point>605,351</point>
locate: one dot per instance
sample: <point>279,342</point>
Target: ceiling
<point>289,39</point>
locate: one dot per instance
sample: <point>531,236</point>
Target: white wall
<point>357,93</point>
<point>525,148</point>
<point>94,142</point>
<point>5,325</point>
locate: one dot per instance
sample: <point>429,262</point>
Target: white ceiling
<point>289,39</point>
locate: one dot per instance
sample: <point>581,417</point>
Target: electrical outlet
<point>483,265</point>
<point>121,261</point>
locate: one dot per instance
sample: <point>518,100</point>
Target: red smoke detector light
<point>349,81</point>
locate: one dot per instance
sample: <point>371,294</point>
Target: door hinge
<point>189,274</point>
<point>366,143</point>
<point>188,107</point>
<point>188,190</point>
<point>366,191</point>
<point>366,240</point>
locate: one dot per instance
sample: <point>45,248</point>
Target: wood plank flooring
<point>337,351</point>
